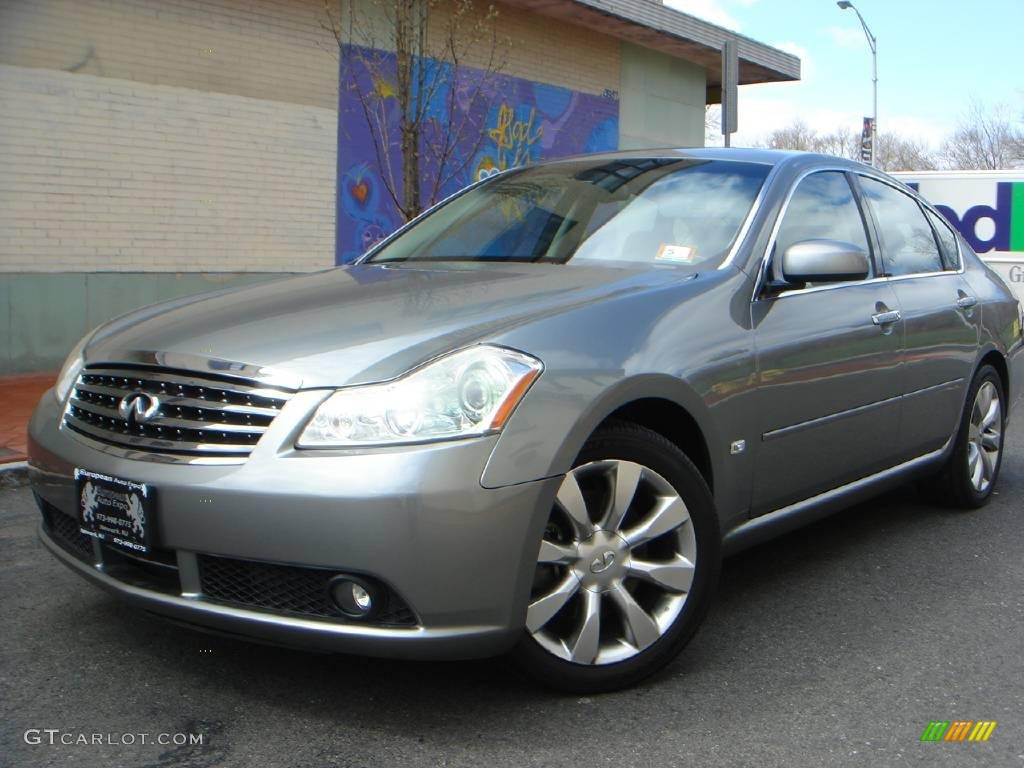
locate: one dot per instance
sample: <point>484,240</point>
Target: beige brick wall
<point>105,174</point>
<point>267,49</point>
<point>546,51</point>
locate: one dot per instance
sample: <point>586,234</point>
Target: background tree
<point>418,54</point>
<point>986,138</point>
<point>893,153</point>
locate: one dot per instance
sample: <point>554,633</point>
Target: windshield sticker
<point>679,254</point>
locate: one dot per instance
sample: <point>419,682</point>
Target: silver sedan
<point>536,418</point>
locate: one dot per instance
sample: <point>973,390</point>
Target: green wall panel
<point>43,315</point>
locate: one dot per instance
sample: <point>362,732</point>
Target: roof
<point>650,24</point>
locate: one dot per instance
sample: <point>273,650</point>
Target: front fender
<point>562,410</point>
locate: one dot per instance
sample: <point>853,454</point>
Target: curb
<point>14,474</point>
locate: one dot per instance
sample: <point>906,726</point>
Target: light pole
<point>873,43</point>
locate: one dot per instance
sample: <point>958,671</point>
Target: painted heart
<point>360,191</point>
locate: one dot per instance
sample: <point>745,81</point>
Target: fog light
<point>353,598</point>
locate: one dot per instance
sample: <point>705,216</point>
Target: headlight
<point>72,367</point>
<point>469,392</point>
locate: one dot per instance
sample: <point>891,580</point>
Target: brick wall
<point>268,49</point>
<point>108,174</point>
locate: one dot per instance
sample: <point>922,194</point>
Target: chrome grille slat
<point>229,385</point>
<point>159,446</point>
<point>196,415</point>
<point>167,421</point>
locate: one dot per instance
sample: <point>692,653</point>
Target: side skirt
<point>797,515</point>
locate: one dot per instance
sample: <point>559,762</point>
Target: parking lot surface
<point>835,645</point>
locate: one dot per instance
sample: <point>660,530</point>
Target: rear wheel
<point>970,474</point>
<point>626,566</point>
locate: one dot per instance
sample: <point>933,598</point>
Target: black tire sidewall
<point>963,492</point>
<point>629,442</point>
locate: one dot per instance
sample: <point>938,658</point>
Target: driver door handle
<point>966,302</point>
<point>886,318</point>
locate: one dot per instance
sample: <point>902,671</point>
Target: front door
<point>828,359</point>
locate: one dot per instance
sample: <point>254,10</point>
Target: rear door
<point>828,359</point>
<point>920,256</point>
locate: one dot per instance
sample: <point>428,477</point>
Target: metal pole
<point>873,44</point>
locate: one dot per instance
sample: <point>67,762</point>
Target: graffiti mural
<point>504,123</point>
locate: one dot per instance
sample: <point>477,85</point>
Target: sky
<point>933,58</point>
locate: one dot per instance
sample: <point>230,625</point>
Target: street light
<point>873,43</point>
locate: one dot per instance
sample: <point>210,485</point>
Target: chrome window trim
<point>762,271</point>
<point>741,236</point>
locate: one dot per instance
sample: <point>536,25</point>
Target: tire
<point>969,475</point>
<point>624,577</point>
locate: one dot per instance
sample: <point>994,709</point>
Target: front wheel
<point>969,476</point>
<point>626,566</point>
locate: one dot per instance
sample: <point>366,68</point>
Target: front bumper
<point>414,518</point>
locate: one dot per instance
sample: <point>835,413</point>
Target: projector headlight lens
<point>464,394</point>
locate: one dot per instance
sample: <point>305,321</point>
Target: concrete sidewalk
<point>18,397</point>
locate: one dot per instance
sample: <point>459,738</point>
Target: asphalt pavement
<point>835,645</point>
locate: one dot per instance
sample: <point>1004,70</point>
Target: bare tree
<point>800,136</point>
<point>712,123</point>
<point>418,53</point>
<point>987,138</point>
<point>899,153</point>
<point>893,153</point>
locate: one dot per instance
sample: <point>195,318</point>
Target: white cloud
<point>847,37</point>
<point>707,10</point>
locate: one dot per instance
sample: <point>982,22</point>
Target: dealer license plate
<point>117,511</point>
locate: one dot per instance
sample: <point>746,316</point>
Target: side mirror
<point>824,261</point>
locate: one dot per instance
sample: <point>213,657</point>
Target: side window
<point>822,207</point>
<point>908,243</point>
<point>947,241</point>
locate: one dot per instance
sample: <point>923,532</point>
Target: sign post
<point>730,88</point>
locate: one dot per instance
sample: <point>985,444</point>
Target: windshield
<point>652,210</point>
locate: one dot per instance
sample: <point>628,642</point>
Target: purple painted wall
<point>506,122</point>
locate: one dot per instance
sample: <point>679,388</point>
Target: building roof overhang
<point>651,24</point>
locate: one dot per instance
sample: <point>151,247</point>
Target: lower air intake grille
<point>64,530</point>
<point>287,589</point>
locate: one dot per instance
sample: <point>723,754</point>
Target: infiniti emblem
<point>138,407</point>
<point>603,562</point>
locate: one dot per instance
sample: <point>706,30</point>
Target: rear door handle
<point>886,318</point>
<point>966,302</point>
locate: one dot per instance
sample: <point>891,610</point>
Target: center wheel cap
<point>601,561</point>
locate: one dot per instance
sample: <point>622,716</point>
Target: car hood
<point>360,324</point>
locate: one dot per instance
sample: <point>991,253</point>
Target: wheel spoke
<point>571,500</point>
<point>625,480</point>
<point>556,554</point>
<point>542,610</point>
<point>670,513</point>
<point>584,645</point>
<point>987,465</point>
<point>974,465</point>
<point>990,440</point>
<point>982,403</point>
<point>991,415</point>
<point>640,627</point>
<point>675,576</point>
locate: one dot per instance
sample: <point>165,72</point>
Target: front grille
<point>287,589</point>
<point>65,530</point>
<point>195,414</point>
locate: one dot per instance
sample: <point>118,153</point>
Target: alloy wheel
<point>615,566</point>
<point>984,439</point>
